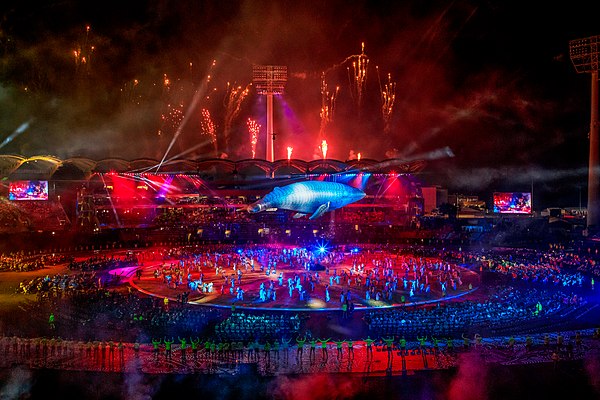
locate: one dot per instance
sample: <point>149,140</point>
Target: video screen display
<point>28,190</point>
<point>512,203</point>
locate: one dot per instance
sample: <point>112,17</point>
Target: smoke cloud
<point>102,82</point>
<point>18,385</point>
<point>470,380</point>
<point>314,387</point>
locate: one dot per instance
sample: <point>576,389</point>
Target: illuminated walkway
<point>77,355</point>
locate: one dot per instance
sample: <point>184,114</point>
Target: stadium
<point>129,257</point>
<point>418,241</point>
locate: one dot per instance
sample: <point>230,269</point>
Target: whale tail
<point>255,207</point>
<point>323,208</point>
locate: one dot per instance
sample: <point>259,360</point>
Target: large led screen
<point>512,203</point>
<point>28,190</point>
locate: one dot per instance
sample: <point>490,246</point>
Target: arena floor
<point>356,366</point>
<point>315,300</point>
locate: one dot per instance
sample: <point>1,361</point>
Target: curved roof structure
<point>44,167</point>
<point>34,168</point>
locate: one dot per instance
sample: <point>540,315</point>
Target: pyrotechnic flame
<point>324,148</point>
<point>289,152</point>
<point>358,156</point>
<point>254,129</point>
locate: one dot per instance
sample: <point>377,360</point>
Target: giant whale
<point>310,197</point>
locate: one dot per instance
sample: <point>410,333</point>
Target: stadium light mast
<point>269,80</point>
<point>584,56</point>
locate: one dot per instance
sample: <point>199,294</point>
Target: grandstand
<point>202,199</point>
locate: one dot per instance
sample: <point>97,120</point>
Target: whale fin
<point>298,215</point>
<point>323,208</point>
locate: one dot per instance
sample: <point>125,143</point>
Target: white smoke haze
<point>18,386</point>
<point>472,95</point>
<point>136,387</point>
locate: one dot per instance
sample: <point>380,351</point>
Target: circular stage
<point>294,278</point>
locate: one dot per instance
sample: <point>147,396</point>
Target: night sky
<point>484,90</point>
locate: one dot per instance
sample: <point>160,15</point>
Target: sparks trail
<point>209,128</point>
<point>327,105</point>
<point>234,97</point>
<point>388,97</point>
<point>358,78</point>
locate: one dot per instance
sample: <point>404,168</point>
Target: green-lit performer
<point>369,342</point>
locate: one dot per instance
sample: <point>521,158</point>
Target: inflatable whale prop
<point>310,197</point>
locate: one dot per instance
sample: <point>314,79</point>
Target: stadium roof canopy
<point>44,167</point>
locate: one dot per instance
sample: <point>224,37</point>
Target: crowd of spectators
<point>505,306</point>
<point>28,215</point>
<point>20,264</point>
<point>59,285</point>
<point>553,267</point>
<point>103,263</point>
<point>262,327</point>
<point>198,216</point>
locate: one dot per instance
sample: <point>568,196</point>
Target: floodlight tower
<point>584,55</point>
<point>269,80</point>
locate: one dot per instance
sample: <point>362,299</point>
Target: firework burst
<point>171,119</point>
<point>129,92</point>
<point>358,76</point>
<point>83,54</point>
<point>388,97</point>
<point>327,105</point>
<point>234,96</point>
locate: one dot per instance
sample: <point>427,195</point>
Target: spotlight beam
<point>197,95</point>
